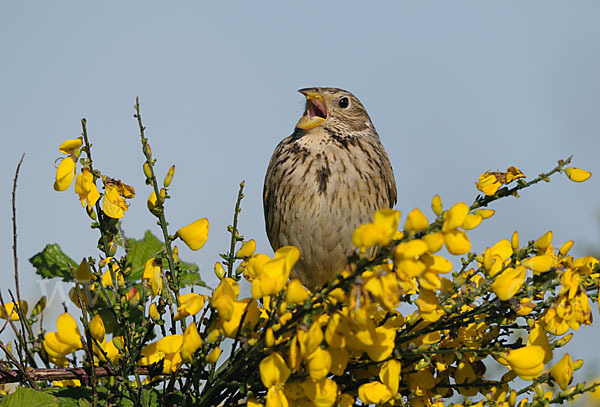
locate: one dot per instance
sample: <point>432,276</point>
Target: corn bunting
<point>323,181</point>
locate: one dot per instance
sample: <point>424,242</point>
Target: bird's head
<point>334,109</point>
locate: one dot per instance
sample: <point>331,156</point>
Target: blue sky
<point>453,89</point>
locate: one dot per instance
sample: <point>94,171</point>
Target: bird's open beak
<point>316,110</point>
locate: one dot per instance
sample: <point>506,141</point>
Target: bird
<point>323,181</point>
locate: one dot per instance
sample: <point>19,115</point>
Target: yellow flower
<point>296,293</point>
<point>457,242</point>
<point>55,348</point>
<point>416,221</point>
<point>465,374</point>
<point>273,374</point>
<point>152,276</point>
<point>526,305</point>
<point>111,349</point>
<point>513,173</point>
<point>562,372</point>
<point>191,343</point>
<point>570,283</point>
<point>429,308</point>
<point>69,146</point>
<point>252,402</point>
<point>115,193</point>
<point>387,220</point>
<point>195,234</point>
<point>434,241</point>
<point>86,189</point>
<point>584,265</point>
<point>224,297</point>
<point>318,363</point>
<point>67,331</point>
<point>389,374</point>
<point>97,328</point>
<point>484,213</point>
<point>421,381</point>
<point>10,312</point>
<point>152,201</point>
<point>150,354</point>
<point>65,174</point>
<point>189,304</point>
<point>506,285</point>
<point>66,339</point>
<point>246,308</point>
<point>274,273</point>
<point>527,362</point>
<point>374,393</point>
<point>489,181</point>
<point>380,232</point>
<point>322,393</point>
<point>170,347</point>
<point>471,222</point>
<point>246,250</point>
<point>378,342</point>
<point>577,174</point>
<point>339,360</point>
<point>537,336</point>
<point>106,278</point>
<point>455,216</point>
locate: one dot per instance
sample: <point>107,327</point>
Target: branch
<point>73,373</point>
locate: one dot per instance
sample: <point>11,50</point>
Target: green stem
<point>234,232</point>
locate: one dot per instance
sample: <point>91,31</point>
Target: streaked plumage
<point>323,181</point>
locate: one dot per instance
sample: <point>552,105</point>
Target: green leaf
<point>139,251</point>
<point>25,396</point>
<point>53,262</point>
<point>84,403</point>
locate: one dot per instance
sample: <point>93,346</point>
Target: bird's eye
<point>344,102</point>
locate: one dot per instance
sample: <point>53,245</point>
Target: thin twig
<point>14,224</point>
<point>21,372</point>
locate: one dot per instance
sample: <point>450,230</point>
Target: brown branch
<point>73,373</point>
<point>20,373</point>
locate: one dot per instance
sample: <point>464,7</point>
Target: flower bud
<point>213,355</point>
<point>176,254</point>
<point>436,205</point>
<point>564,340</point>
<point>169,177</point>
<point>269,337</point>
<point>118,342</point>
<point>91,213</point>
<point>514,241</point>
<point>112,248</point>
<point>97,329</point>
<point>219,270</point>
<point>147,170</point>
<point>153,312</point>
